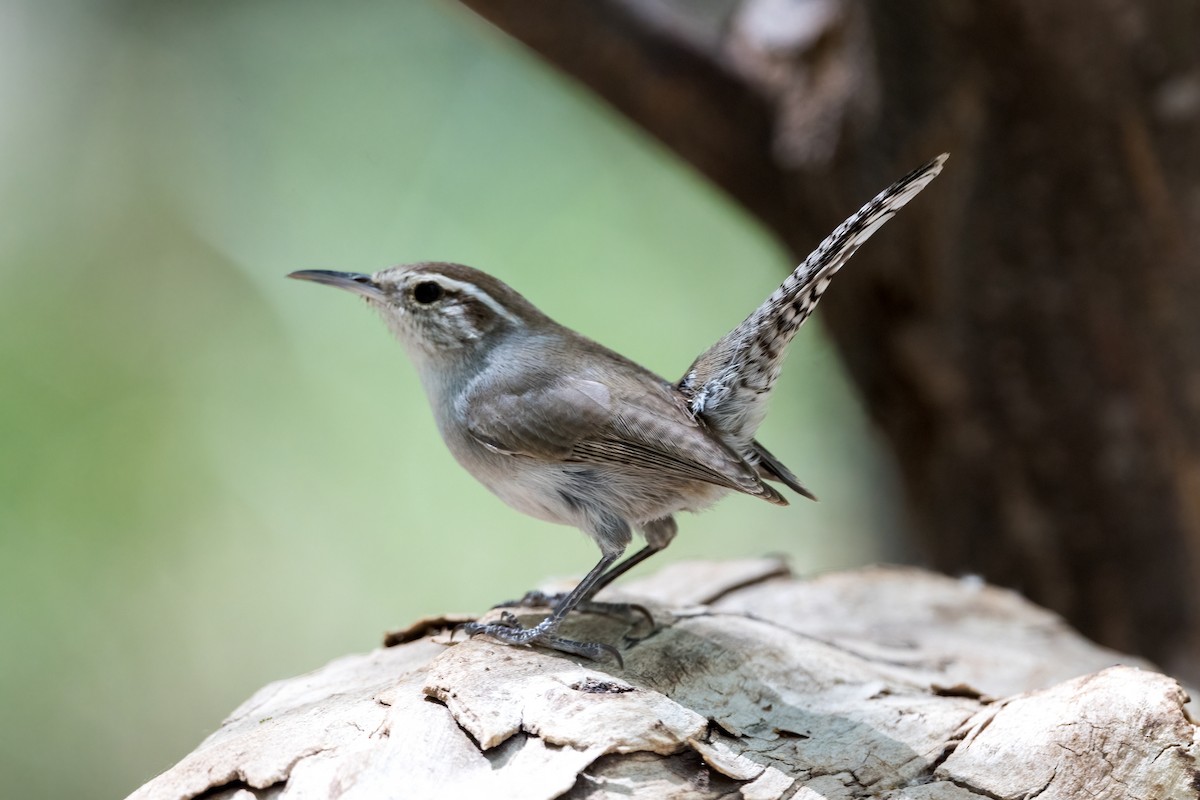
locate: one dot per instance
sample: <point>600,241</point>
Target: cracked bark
<point>1026,337</point>
<point>755,684</point>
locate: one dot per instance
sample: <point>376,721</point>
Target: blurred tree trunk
<point>1027,334</point>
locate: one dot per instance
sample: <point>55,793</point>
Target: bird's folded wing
<point>772,468</point>
<point>543,421</point>
<point>573,420</point>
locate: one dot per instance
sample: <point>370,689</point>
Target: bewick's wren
<point>568,431</point>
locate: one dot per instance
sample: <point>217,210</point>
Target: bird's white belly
<point>569,494</point>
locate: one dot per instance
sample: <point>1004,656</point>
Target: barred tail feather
<point>727,386</point>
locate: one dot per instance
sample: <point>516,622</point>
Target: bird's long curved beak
<point>350,281</point>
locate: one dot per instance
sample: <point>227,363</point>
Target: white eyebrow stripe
<point>474,291</point>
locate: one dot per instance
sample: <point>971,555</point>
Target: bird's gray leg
<point>658,534</point>
<point>510,631</point>
<point>613,536</point>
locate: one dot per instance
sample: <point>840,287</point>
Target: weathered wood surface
<point>877,683</point>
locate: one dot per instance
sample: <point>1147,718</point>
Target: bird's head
<point>434,307</point>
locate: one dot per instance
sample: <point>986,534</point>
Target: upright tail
<point>729,383</point>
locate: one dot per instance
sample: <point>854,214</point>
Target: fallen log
<point>882,682</point>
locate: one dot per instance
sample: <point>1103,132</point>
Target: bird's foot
<point>539,599</point>
<point>510,631</point>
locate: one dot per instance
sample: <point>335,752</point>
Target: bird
<point>563,429</point>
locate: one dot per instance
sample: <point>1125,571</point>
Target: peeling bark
<point>879,683</point>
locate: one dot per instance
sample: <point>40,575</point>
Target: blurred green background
<point>211,477</point>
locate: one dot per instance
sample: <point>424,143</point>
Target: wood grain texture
<point>879,683</point>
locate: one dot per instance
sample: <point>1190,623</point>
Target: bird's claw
<point>540,599</point>
<point>510,631</point>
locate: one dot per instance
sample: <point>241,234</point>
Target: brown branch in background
<point>657,68</point>
<point>1028,339</point>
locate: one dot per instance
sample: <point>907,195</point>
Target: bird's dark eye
<point>427,292</point>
